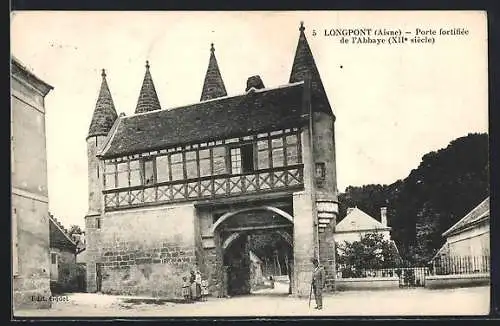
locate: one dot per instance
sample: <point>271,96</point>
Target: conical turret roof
<point>148,99</point>
<point>104,113</point>
<point>303,64</point>
<point>213,85</point>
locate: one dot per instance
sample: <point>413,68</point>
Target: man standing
<point>318,283</point>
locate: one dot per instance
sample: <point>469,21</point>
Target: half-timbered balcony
<point>212,187</point>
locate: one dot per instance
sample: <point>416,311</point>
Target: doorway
<point>98,267</point>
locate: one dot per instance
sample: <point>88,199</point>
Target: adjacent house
<point>30,203</point>
<point>357,223</point>
<point>63,268</point>
<point>467,246</point>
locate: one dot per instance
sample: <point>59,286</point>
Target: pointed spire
<point>304,62</point>
<point>104,113</point>
<point>148,100</point>
<point>213,85</point>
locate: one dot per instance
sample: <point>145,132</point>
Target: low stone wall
<point>367,283</point>
<point>457,280</point>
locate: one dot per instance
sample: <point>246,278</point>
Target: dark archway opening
<point>259,262</point>
<point>257,247</point>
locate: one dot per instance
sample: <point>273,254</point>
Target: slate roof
<point>479,213</point>
<point>304,63</point>
<point>357,221</point>
<point>59,237</point>
<point>148,99</point>
<point>213,86</point>
<point>104,113</point>
<point>227,117</point>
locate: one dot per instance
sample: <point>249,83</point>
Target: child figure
<point>186,289</point>
<point>204,289</point>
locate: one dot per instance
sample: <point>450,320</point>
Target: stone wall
<point>458,280</point>
<point>375,283</point>
<point>33,277</point>
<point>147,251</point>
<point>324,151</point>
<point>303,243</point>
<point>30,234</point>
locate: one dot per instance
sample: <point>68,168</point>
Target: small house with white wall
<point>467,246</point>
<point>357,224</point>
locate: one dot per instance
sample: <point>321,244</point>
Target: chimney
<point>349,210</point>
<point>383,215</point>
<point>255,82</point>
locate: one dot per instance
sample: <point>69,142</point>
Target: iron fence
<point>453,265</point>
<point>411,276</point>
<point>407,276</point>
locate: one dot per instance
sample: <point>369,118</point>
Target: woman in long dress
<point>192,283</point>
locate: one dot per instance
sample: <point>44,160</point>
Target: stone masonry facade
<point>30,221</point>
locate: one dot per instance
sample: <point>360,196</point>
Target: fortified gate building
<point>175,188</point>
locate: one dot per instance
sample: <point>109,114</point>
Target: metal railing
<point>456,265</point>
<point>407,276</point>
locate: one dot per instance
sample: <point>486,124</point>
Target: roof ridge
<point>460,222</point>
<point>61,227</point>
<point>262,90</point>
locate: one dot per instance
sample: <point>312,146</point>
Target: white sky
<point>393,103</point>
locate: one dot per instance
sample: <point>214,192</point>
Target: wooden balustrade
<point>205,188</point>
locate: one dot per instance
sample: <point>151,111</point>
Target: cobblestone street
<point>420,302</point>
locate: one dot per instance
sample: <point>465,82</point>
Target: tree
<point>446,185</point>
<point>74,229</point>
<point>370,253</point>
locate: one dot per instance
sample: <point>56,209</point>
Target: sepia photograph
<point>249,163</point>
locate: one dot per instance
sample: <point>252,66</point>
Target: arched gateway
<point>255,243</point>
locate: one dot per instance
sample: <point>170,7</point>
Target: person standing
<point>204,289</point>
<point>186,289</point>
<point>192,278</point>
<point>197,281</point>
<point>318,283</point>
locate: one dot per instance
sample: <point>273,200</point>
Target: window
<point>263,154</point>
<point>110,176</point>
<point>122,175</point>
<point>98,223</point>
<point>219,160</point>
<point>191,165</point>
<point>292,150</point>
<point>277,152</point>
<point>162,169</point>
<point>205,164</point>
<point>135,173</point>
<point>148,172</point>
<point>176,166</point>
<point>53,258</point>
<point>242,159</point>
<point>235,160</point>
